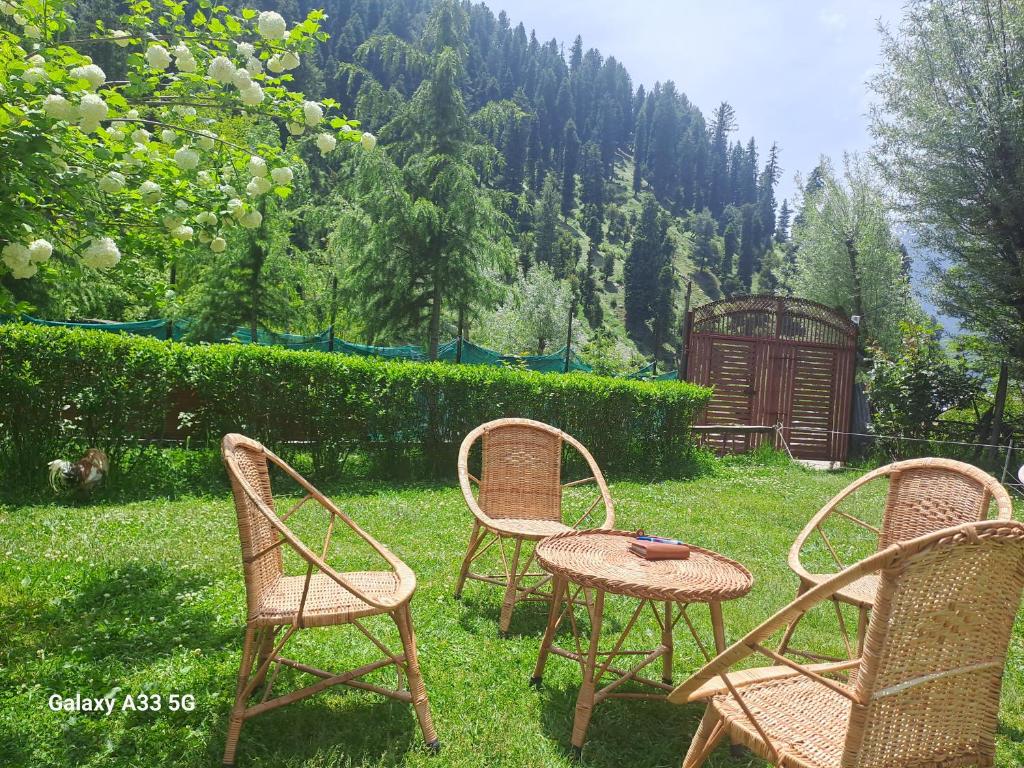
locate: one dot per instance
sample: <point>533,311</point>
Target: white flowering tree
<point>86,161</point>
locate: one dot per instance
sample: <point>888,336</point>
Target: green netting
<point>472,354</point>
<point>154,328</point>
<point>407,352</point>
<point>319,341</point>
<point>647,373</point>
<point>553,363</point>
<point>643,373</point>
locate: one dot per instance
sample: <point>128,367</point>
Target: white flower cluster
<point>312,113</point>
<point>271,25</point>
<point>101,253</point>
<point>186,158</point>
<point>157,57</point>
<point>326,142</point>
<point>112,183</point>
<point>93,110</point>
<point>150,191</point>
<point>23,260</point>
<point>58,107</point>
<point>283,62</point>
<point>90,73</point>
<point>184,59</point>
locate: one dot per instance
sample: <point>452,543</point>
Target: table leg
<point>558,588</point>
<point>718,626</point>
<point>585,701</point>
<point>666,641</point>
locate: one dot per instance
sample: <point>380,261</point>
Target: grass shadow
<point>362,728</point>
<point>642,734</point>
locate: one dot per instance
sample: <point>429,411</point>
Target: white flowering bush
<point>90,162</point>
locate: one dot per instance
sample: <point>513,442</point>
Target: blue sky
<point>794,71</point>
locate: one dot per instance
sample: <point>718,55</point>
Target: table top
<point>601,559</point>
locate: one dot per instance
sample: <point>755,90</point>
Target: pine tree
<point>650,251</point>
<point>782,224</point>
<point>663,314</point>
<point>705,253</point>
<point>723,122</point>
<point>570,161</point>
<point>546,216</point>
<point>592,179</point>
<point>424,230</point>
<point>748,248</point>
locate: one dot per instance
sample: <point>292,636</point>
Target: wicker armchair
<point>924,495</point>
<point>925,692</point>
<point>520,501</point>
<point>280,605</point>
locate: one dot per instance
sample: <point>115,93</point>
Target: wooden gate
<point>774,360</point>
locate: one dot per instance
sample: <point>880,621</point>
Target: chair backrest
<point>928,495</point>
<point>521,470</point>
<point>933,659</point>
<point>246,464</point>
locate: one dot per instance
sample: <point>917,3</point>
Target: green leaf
<point>198,18</point>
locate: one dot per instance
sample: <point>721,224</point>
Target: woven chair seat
<point>861,592</point>
<point>327,602</point>
<point>805,720</point>
<point>523,528</point>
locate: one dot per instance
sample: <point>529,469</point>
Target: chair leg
<point>475,538</point>
<point>266,647</point>
<point>403,618</point>
<point>511,589</point>
<point>709,733</point>
<point>784,644</point>
<point>237,717</point>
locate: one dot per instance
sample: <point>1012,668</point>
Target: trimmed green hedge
<point>64,390</point>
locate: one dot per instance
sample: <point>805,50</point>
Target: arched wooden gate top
<point>775,317</point>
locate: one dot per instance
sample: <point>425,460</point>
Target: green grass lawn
<point>147,597</point>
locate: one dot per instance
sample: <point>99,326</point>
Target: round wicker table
<point>588,564</point>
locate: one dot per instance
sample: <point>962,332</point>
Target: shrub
<point>64,390</point>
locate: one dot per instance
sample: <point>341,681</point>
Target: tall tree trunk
<point>458,342</point>
<point>434,336</point>
<point>997,411</point>
<point>858,293</point>
<point>684,333</point>
<point>541,343</point>
<point>334,313</point>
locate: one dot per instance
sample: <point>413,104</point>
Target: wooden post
<point>568,335</point>
<point>684,333</point>
<point>334,313</point>
<point>458,341</point>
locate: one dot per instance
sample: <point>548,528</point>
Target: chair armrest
<point>311,557</point>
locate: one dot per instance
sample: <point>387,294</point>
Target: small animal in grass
<point>82,475</point>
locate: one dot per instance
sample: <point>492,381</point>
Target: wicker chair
<point>520,500</point>
<point>925,692</point>
<point>280,605</point>
<point>924,495</point>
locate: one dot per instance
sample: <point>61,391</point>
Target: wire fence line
<point>1014,481</point>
